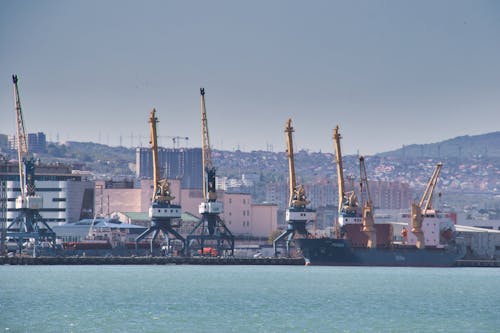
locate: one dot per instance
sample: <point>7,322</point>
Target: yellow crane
<point>424,207</point>
<point>368,220</point>
<point>211,230</point>
<point>162,211</point>
<point>297,214</point>
<point>348,209</point>
<point>297,196</point>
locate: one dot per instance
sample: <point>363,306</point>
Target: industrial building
<point>67,196</point>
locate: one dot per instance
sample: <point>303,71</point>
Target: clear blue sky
<point>388,72</point>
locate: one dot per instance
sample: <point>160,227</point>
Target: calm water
<point>248,299</point>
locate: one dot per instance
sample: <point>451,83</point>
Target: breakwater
<point>148,261</point>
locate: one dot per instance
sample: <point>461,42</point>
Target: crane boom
<point>429,190</point>
<point>364,181</point>
<point>22,142</point>
<point>291,167</point>
<point>161,190</point>
<point>209,192</point>
<point>153,120</point>
<point>340,170</point>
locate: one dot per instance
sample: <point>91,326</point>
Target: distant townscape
<point>469,180</point>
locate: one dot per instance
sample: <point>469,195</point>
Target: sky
<point>389,73</point>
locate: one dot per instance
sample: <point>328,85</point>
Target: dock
<point>148,261</point>
<point>477,263</point>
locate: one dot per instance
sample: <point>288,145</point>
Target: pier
<point>477,263</point>
<point>148,261</point>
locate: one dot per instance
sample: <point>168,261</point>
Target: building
<point>385,195</point>
<point>4,142</point>
<point>125,196</point>
<point>67,196</point>
<point>183,163</point>
<point>264,219</point>
<point>238,215</point>
<point>37,142</point>
<point>390,195</point>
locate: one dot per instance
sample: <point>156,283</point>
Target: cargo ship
<point>427,236</point>
<point>353,250</point>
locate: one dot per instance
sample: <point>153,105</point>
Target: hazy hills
<point>483,145</point>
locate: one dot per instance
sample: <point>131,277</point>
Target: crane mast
<point>22,142</point>
<point>209,192</point>
<point>291,167</point>
<point>368,216</point>
<point>429,190</point>
<point>154,150</point>
<point>161,191</point>
<point>340,168</point>
<point>364,182</point>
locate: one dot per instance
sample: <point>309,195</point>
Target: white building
<point>66,197</point>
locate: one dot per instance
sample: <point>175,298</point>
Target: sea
<point>191,298</point>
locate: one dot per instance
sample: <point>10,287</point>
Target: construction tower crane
<point>211,231</point>
<point>29,224</point>
<point>162,211</point>
<point>367,204</point>
<point>348,208</point>
<point>297,214</point>
<point>424,207</point>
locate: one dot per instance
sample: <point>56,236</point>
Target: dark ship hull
<point>340,252</point>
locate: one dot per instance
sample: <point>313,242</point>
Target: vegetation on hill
<point>462,147</point>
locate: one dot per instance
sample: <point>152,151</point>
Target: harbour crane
<point>211,230</point>
<point>348,208</point>
<point>297,214</point>
<point>162,211</point>
<point>424,208</point>
<point>29,224</point>
<point>368,221</point>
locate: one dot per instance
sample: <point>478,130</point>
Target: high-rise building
<point>184,164</point>
<point>37,142</point>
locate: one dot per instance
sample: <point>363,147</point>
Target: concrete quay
<point>477,263</point>
<point>148,261</point>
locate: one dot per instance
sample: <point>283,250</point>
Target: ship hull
<point>339,252</point>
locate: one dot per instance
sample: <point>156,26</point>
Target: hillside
<point>486,145</point>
